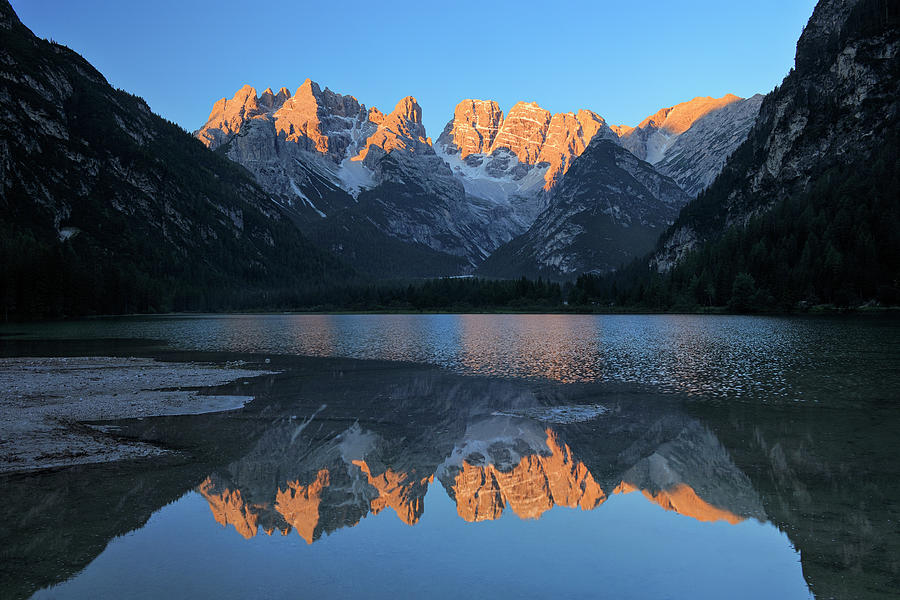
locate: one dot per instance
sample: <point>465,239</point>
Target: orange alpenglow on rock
<point>228,508</point>
<point>298,118</point>
<point>567,136</point>
<point>401,491</point>
<point>679,118</point>
<point>299,504</point>
<point>376,116</point>
<point>683,500</point>
<point>228,116</point>
<point>534,486</point>
<point>401,129</point>
<point>528,131</point>
<point>306,118</point>
<point>524,131</point>
<point>475,126</point>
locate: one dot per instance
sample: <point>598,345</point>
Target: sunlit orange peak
<point>299,504</point>
<point>401,491</point>
<point>228,508</point>
<point>531,488</point>
<point>683,500</point>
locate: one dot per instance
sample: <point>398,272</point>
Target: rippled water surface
<point>815,358</point>
<point>449,456</point>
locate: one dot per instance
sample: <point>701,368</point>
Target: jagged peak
<point>308,88</point>
<point>524,106</point>
<point>472,128</point>
<point>409,109</point>
<point>376,116</point>
<point>584,114</point>
<point>529,131</point>
<point>470,106</point>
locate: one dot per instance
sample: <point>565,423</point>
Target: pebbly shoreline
<point>46,402</point>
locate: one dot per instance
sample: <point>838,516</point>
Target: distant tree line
<point>451,293</point>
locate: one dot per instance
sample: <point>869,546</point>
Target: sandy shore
<point>44,402</point>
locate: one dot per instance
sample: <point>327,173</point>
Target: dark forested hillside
<point>807,210</point>
<point>837,243</point>
<point>108,208</point>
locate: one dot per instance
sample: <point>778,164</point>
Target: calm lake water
<point>520,456</point>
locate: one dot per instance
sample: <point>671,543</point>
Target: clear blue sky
<point>624,59</point>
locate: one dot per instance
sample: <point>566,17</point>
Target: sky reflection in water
<point>556,476</point>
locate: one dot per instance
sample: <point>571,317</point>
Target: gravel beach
<point>44,403</point>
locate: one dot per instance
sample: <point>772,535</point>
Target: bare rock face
<point>316,121</point>
<point>509,164</point>
<point>319,121</point>
<point>567,137</point>
<point>609,208</point>
<point>539,481</point>
<point>402,129</point>
<point>323,154</point>
<point>697,155</point>
<point>485,180</point>
<point>510,148</point>
<point>830,112</point>
<point>228,116</point>
<point>654,135</point>
<point>524,131</point>
<point>474,127</point>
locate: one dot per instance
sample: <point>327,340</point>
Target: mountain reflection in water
<point>332,442</point>
<point>499,462</point>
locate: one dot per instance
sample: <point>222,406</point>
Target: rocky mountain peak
<point>298,118</point>
<point>654,135</point>
<point>318,121</point>
<point>401,129</point>
<point>269,101</point>
<point>524,131</point>
<point>308,90</point>
<point>568,134</point>
<point>657,120</point>
<point>698,154</point>
<point>228,116</point>
<point>830,114</point>
<point>474,127</point>
<point>376,116</point>
<point>608,208</point>
<point>528,137</point>
<point>409,110</point>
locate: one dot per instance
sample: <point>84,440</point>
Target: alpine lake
<point>479,456</point>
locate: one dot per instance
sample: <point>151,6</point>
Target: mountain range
<point>447,206</point>
<point>284,192</point>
